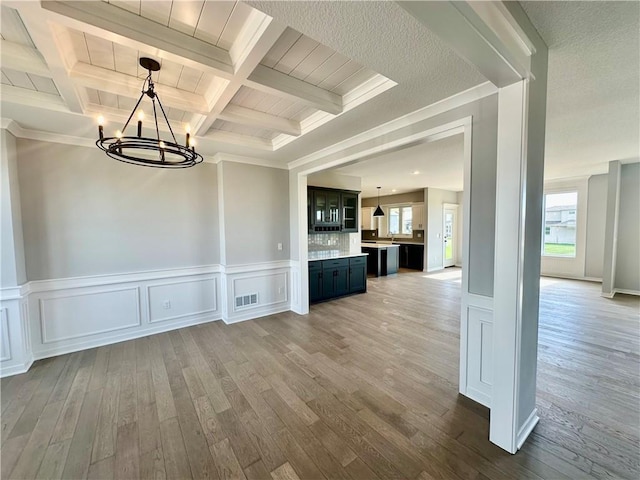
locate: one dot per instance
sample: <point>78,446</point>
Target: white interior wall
<point>627,273</point>
<point>434,201</point>
<point>596,221</point>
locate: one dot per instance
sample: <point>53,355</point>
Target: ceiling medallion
<point>146,151</point>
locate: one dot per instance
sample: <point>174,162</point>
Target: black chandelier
<point>145,151</point>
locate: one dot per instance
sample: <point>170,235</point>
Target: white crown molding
<point>459,99</point>
<point>260,162</point>
<point>20,132</point>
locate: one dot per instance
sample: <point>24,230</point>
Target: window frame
<point>400,207</point>
<point>575,210</point>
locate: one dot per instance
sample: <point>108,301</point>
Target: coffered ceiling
<point>233,74</point>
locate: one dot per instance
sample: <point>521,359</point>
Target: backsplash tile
<point>325,245</point>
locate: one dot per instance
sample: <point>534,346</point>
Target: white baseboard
<point>572,277</point>
<point>625,291</point>
<point>15,369</point>
<point>527,428</point>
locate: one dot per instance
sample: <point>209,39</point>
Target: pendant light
<point>378,212</point>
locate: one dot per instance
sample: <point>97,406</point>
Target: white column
<point>611,230</point>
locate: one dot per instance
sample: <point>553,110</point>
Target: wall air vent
<point>243,301</point>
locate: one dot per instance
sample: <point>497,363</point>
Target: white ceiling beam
<point>259,33</point>
<point>483,33</point>
<point>22,58</point>
<point>33,98</point>
<point>121,84</point>
<point>253,118</point>
<point>237,139</point>
<point>276,83</point>
<point>49,47</point>
<point>130,30</point>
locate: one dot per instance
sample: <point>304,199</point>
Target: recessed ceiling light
<point>394,190</point>
<point>416,172</point>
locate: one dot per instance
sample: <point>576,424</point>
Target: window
<point>560,224</point>
<point>400,220</point>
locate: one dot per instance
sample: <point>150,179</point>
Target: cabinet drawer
<point>338,262</point>
<point>315,265</point>
<point>357,261</point>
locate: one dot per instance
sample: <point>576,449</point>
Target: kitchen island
<point>383,258</point>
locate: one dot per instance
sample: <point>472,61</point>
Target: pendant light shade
<point>378,212</point>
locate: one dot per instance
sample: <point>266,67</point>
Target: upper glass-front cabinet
<point>332,210</point>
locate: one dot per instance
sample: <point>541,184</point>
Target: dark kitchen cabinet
<point>349,212</point>
<point>332,210</point>
<point>412,256</point>
<point>336,278</point>
<point>335,281</point>
<point>357,274</point>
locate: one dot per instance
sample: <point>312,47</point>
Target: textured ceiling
<point>593,104</point>
<point>439,164</point>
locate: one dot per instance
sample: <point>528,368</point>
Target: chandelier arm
<point>155,116</point>
<point>132,112</point>
<point>167,120</point>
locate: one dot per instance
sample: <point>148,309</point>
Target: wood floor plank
<point>33,452</point>
<point>11,451</point>
<point>72,406</point>
<point>256,471</point>
<point>285,472</point>
<point>127,454</point>
<point>79,455</point>
<point>104,444</point>
<point>152,465</point>
<point>226,461</point>
<point>54,461</point>
<point>244,449</point>
<point>175,455</point>
<point>146,413</point>
<point>102,470</point>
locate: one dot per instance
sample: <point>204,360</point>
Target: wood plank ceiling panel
<point>43,84</point>
<point>213,19</point>
<point>79,45</point>
<point>235,23</point>
<point>316,58</point>
<point>340,75</point>
<point>132,6</point>
<point>5,79</point>
<point>333,63</point>
<point>94,98</point>
<point>242,130</point>
<point>282,46</point>
<point>12,28</point>
<point>353,81</point>
<point>157,10</point>
<point>169,73</point>
<point>296,54</point>
<point>185,16</point>
<point>19,79</point>
<point>108,99</point>
<point>127,104</point>
<point>189,79</point>
<point>100,52</point>
<point>126,60</point>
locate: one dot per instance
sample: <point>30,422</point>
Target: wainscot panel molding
<point>46,318</point>
<point>479,322</point>
<point>256,290</point>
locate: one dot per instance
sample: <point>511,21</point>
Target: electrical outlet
<point>166,305</point>
<point>280,290</point>
<point>279,246</point>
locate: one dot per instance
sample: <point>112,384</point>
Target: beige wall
<point>410,197</point>
<point>85,214</point>
<point>628,254</point>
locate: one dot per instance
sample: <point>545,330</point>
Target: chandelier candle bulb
<point>101,127</point>
<point>140,118</point>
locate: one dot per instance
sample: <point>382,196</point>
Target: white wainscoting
<point>269,282</point>
<point>68,315</point>
<point>52,317</point>
<point>478,317</point>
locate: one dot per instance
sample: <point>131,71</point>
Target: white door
<point>449,236</point>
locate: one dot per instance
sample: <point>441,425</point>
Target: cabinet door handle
<point>335,273</point>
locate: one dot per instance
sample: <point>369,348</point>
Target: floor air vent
<point>246,300</point>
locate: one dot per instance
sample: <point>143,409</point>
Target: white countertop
<point>328,255</point>
<point>378,245</point>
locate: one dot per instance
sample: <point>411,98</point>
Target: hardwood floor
<point>365,387</point>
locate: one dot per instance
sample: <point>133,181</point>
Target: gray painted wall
<point>256,213</point>
<point>627,273</point>
<point>596,221</point>
<point>85,214</point>
<point>12,266</point>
